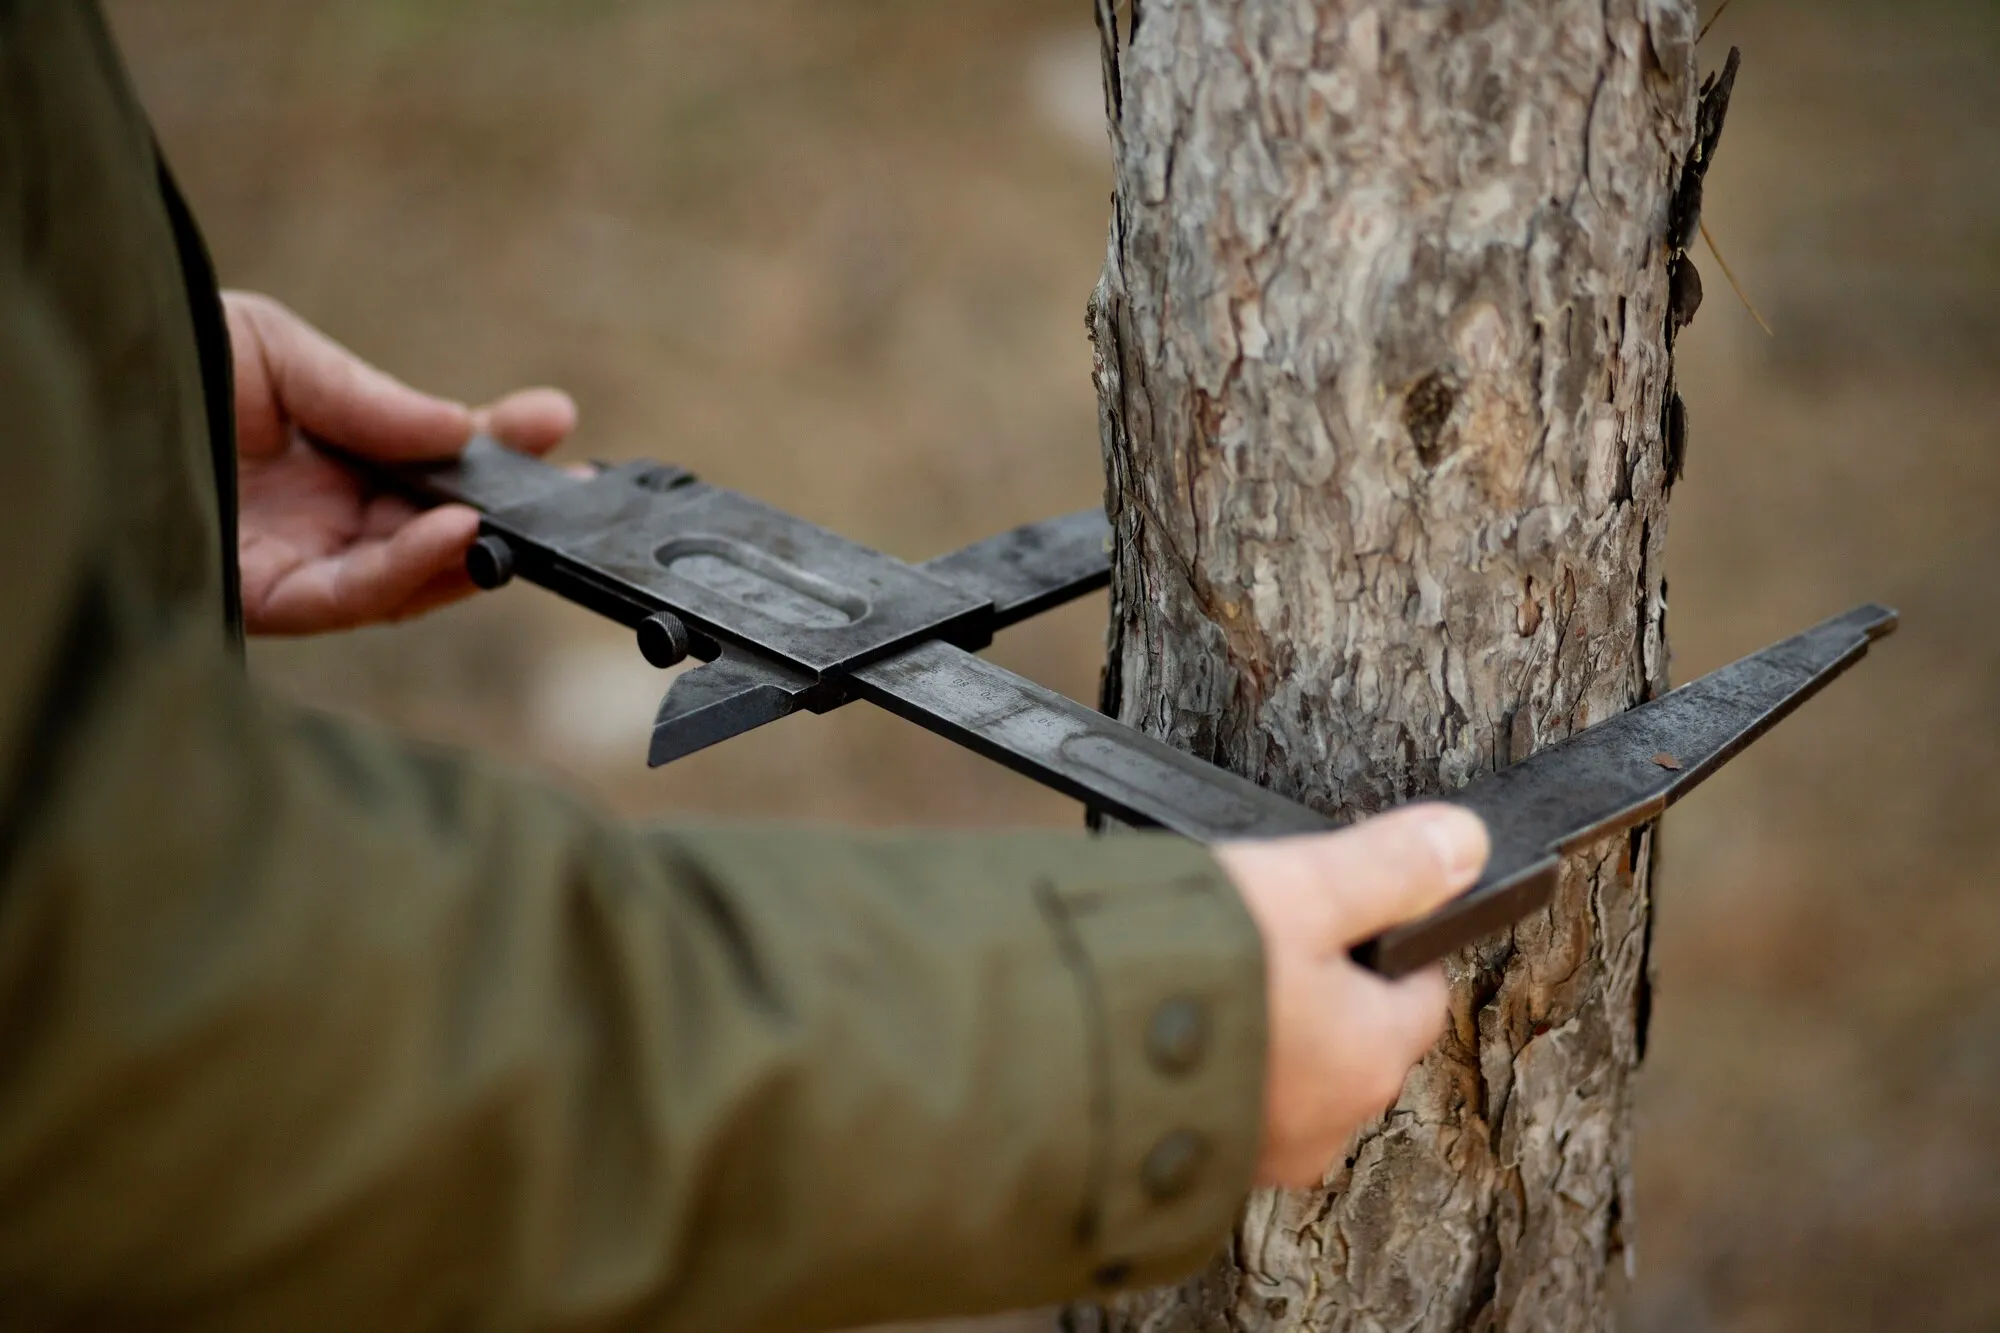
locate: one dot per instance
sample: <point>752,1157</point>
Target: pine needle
<point>1720,10</point>
<point>1735,286</point>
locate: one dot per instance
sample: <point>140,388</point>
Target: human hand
<point>320,548</point>
<point>1342,1039</point>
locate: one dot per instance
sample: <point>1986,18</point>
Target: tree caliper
<point>789,616</point>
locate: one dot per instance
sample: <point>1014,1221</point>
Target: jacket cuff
<point>1172,971</point>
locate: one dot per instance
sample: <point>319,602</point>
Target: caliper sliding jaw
<point>788,617</point>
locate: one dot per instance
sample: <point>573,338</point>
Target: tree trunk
<point>1385,372</point>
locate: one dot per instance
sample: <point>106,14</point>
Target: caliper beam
<point>790,616</point>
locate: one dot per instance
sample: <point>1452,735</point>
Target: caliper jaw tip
<point>1875,620</point>
<point>727,697</point>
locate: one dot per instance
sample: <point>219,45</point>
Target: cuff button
<point>1170,1169</point>
<point>1177,1035</point>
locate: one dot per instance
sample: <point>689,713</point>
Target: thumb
<point>326,391</point>
<point>1348,886</point>
<point>1398,866</point>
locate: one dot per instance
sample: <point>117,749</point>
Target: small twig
<point>1736,286</point>
<point>1720,10</point>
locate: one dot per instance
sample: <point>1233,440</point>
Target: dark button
<point>1113,1274</point>
<point>1171,1167</point>
<point>1177,1035</point>
<point>663,640</point>
<point>490,562</point>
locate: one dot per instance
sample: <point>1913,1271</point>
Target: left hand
<point>1342,1040</point>
<point>320,549</point>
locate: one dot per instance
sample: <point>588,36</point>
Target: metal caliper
<point>787,616</point>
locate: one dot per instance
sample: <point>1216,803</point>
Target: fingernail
<point>1459,837</point>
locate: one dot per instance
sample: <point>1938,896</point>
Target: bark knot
<point>1426,409</point>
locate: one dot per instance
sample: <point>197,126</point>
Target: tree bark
<point>1385,373</point>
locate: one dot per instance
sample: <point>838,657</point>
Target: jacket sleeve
<point>303,1028</point>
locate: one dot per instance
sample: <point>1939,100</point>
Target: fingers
<point>290,374</point>
<point>533,421</point>
<point>1412,1014</point>
<point>377,580</point>
<point>454,585</point>
<point>419,566</point>
<point>1343,1042</point>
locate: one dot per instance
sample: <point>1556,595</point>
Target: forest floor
<point>837,254</point>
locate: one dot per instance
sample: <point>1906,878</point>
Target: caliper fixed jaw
<point>1619,774</point>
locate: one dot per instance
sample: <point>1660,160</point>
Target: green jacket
<point>304,1027</point>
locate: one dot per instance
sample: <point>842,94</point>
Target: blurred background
<point>837,252</point>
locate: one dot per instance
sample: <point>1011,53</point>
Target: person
<point>303,1026</point>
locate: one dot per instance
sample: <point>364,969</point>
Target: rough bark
<point>1384,362</point>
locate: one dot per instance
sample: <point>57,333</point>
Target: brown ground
<point>837,253</point>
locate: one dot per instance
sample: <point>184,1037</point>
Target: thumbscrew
<point>664,640</point>
<point>490,562</point>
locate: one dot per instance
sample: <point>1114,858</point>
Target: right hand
<point>1342,1039</point>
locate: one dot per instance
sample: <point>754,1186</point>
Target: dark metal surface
<point>746,573</point>
<point>487,476</point>
<point>729,696</point>
<point>1076,750</point>
<point>1034,567</point>
<point>1022,572</point>
<point>795,617</point>
<point>647,537</point>
<point>1620,773</point>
